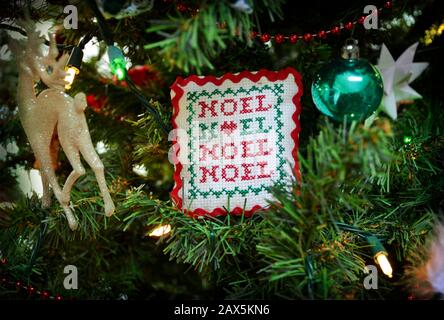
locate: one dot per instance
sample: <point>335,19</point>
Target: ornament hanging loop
<point>350,50</point>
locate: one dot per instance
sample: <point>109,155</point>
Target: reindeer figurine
<point>51,110</point>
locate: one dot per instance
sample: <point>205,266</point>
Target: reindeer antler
<point>57,65</point>
<point>29,55</point>
<point>55,77</point>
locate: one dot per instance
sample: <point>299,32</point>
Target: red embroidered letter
<point>228,113</point>
<point>231,154</point>
<point>262,151</point>
<point>233,177</point>
<point>246,149</point>
<point>262,174</point>
<point>245,105</point>
<point>212,173</point>
<point>247,171</point>
<point>206,151</point>
<point>260,107</point>
<point>204,106</point>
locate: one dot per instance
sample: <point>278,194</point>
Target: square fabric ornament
<point>235,137</point>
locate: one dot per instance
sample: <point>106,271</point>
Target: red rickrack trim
<point>322,34</point>
<point>176,87</point>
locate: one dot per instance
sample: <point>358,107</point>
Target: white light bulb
<point>383,262</point>
<point>160,231</point>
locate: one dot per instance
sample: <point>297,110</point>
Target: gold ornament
<point>52,110</point>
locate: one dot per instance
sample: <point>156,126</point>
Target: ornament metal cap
<point>75,59</point>
<point>350,50</point>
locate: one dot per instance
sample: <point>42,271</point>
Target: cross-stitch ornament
<point>349,88</point>
<point>52,110</point>
<point>236,136</point>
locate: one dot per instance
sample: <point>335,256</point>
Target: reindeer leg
<point>46,198</point>
<point>74,159</point>
<point>48,171</point>
<point>91,157</point>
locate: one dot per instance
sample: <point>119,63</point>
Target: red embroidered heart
<point>228,127</point>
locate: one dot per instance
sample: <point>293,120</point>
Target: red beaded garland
<point>18,285</point>
<point>279,38</point>
<point>348,25</point>
<point>336,30</point>
<point>388,5</point>
<point>293,38</point>
<point>308,36</point>
<point>322,34</point>
<point>265,37</point>
<point>181,7</point>
<point>31,290</point>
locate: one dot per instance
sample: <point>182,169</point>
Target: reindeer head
<point>33,63</point>
<point>54,67</point>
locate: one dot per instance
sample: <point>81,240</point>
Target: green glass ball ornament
<point>348,88</point>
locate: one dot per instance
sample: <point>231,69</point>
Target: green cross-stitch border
<point>192,97</point>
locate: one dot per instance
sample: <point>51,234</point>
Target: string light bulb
<point>71,73</point>
<point>160,231</point>
<point>380,255</point>
<point>72,68</point>
<point>117,62</point>
<point>381,259</point>
<point>407,139</point>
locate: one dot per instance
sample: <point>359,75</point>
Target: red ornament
<point>265,37</point>
<point>279,38</point>
<point>44,295</point>
<point>388,5</point>
<point>142,75</point>
<point>348,25</point>
<point>293,38</point>
<point>253,35</point>
<point>361,20</point>
<point>3,261</point>
<point>336,30</point>
<point>95,103</point>
<point>322,34</point>
<point>58,297</point>
<point>308,37</point>
<point>181,7</point>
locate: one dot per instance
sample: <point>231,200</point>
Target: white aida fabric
<point>236,136</point>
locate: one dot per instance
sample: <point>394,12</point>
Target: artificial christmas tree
<point>360,194</point>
